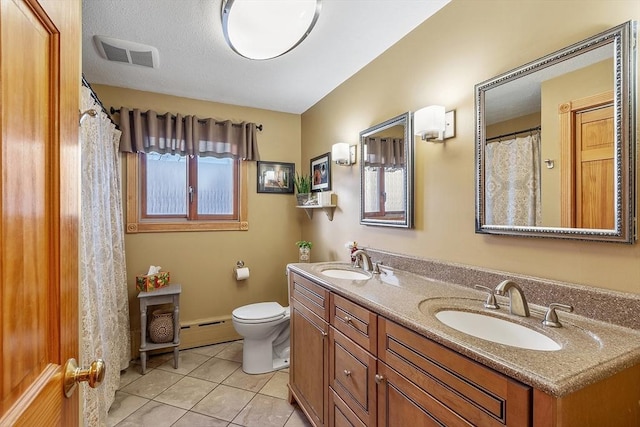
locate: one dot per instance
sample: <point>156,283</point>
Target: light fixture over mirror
<point>434,124</point>
<point>267,29</point>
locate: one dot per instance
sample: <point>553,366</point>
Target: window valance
<point>384,152</point>
<point>186,135</point>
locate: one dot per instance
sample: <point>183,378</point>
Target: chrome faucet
<point>517,302</point>
<point>360,254</point>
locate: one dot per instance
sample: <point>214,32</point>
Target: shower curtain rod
<point>537,128</point>
<point>86,84</point>
<point>117,110</point>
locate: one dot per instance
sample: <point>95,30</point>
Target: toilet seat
<point>260,312</point>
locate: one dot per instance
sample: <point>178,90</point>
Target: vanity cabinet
<point>352,367</point>
<point>308,376</point>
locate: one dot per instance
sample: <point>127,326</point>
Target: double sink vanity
<point>391,348</point>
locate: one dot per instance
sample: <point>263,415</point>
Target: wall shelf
<point>327,210</point>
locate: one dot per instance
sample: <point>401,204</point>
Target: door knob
<point>74,375</point>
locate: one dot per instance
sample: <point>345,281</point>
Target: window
<point>383,198</point>
<point>170,192</point>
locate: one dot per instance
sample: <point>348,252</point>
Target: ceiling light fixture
<point>259,29</point>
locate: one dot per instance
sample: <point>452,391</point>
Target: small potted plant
<point>303,188</point>
<point>304,248</point>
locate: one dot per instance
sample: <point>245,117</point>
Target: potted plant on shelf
<point>304,249</point>
<point>303,188</point>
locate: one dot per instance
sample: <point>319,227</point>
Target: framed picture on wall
<point>321,173</point>
<point>275,177</point>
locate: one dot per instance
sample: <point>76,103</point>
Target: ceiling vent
<point>127,52</point>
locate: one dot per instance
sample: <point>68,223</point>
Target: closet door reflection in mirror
<point>386,173</point>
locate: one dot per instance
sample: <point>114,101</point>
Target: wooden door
<point>587,174</point>
<point>39,161</point>
<point>595,168</point>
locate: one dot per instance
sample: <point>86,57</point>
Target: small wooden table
<point>166,295</point>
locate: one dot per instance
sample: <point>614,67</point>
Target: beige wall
<point>513,125</point>
<point>467,42</point>
<point>203,262</point>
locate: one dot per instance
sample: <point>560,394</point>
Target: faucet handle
<point>551,317</point>
<point>376,268</point>
<point>491,298</point>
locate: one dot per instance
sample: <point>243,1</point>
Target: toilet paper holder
<point>241,272</point>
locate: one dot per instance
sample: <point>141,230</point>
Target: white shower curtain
<point>103,283</point>
<point>513,182</point>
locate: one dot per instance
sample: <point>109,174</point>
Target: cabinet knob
<point>347,373</point>
<point>347,319</point>
<point>324,334</point>
<point>379,379</point>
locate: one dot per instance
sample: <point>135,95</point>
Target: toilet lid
<point>263,311</point>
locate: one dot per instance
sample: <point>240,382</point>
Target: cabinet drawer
<point>340,415</point>
<point>312,296</point>
<point>354,321</point>
<point>352,373</point>
<point>490,398</point>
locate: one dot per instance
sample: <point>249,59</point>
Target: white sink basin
<point>338,273</point>
<point>497,330</point>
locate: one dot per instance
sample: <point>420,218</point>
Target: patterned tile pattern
<point>209,389</point>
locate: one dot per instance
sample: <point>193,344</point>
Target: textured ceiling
<point>195,61</point>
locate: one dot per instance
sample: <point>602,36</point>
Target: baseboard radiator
<point>196,333</point>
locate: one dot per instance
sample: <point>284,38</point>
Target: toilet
<point>265,329</point>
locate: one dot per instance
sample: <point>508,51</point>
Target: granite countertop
<point>591,350</point>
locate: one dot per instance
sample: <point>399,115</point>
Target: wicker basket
<point>161,326</point>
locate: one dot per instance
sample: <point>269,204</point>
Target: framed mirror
<point>386,173</point>
<point>555,143</point>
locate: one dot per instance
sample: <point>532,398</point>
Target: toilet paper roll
<point>242,273</point>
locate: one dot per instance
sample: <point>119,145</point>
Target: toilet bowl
<point>265,329</point>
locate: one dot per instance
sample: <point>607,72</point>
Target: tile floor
<point>209,388</point>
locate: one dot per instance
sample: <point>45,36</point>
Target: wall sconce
<point>434,124</point>
<point>343,154</point>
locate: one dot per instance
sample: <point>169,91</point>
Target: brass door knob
<point>74,375</point>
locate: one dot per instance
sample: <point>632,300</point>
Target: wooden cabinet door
<point>402,403</point>
<point>39,209</point>
<point>310,364</point>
